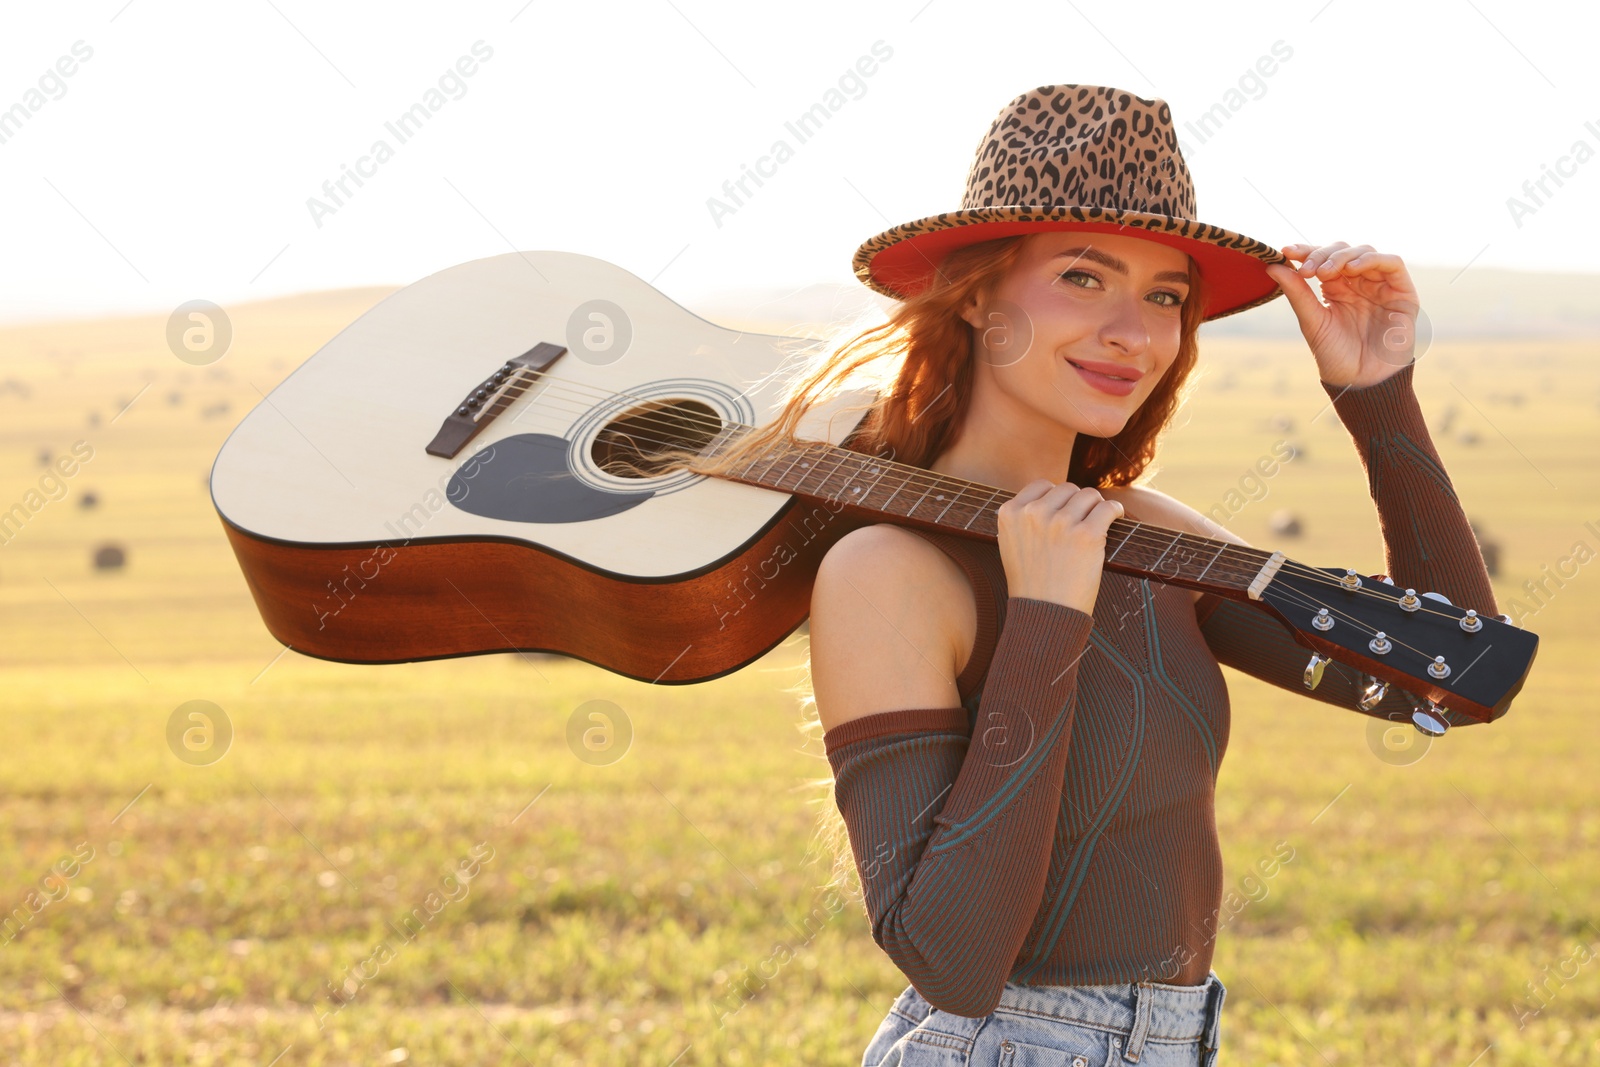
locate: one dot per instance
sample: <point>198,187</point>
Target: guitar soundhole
<point>631,446</point>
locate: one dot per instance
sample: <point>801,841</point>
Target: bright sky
<point>176,160</point>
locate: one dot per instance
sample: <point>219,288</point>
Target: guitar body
<point>467,468</point>
<point>361,545</point>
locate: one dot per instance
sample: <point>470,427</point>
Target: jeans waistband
<point>1144,1010</point>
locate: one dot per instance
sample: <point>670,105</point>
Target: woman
<point>1025,745</point>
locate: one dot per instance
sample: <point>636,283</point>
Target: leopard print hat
<point>1076,157</point>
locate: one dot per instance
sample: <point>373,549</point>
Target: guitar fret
<point>759,456</point>
<point>904,481</point>
<point>981,510</point>
<point>772,461</point>
<point>722,437</point>
<point>1163,555</point>
<point>873,487</point>
<point>844,480</point>
<point>810,469</point>
<point>798,453</point>
<point>1125,539</point>
<point>844,454</point>
<point>913,511</point>
<point>1220,550</point>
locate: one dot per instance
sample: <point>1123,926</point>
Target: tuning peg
<point>1314,667</point>
<point>1440,597</point>
<point>1373,694</point>
<point>1428,717</point>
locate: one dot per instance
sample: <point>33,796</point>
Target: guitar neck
<point>915,496</point>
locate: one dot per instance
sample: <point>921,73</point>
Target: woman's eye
<point>1175,300</point>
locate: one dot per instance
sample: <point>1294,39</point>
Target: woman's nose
<point>1125,326</point>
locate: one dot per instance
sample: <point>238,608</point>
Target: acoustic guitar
<point>465,469</point>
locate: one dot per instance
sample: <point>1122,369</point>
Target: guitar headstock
<point>1419,642</point>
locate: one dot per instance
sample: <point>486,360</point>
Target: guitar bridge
<point>487,400</point>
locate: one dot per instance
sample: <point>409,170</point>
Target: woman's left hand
<point>1367,330</point>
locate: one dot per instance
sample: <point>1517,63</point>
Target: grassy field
<point>424,837</point>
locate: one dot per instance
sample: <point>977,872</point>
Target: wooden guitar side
<point>434,599</point>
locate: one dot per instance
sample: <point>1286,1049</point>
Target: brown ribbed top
<point>1058,827</point>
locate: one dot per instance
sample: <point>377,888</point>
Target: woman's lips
<point>1114,383</point>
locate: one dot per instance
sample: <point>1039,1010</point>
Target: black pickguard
<point>525,478</point>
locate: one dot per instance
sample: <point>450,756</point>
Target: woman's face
<point>1084,326</point>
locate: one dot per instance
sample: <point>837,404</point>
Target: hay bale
<point>1284,523</point>
<point>110,557</point>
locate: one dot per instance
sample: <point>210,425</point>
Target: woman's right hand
<point>1053,542</point>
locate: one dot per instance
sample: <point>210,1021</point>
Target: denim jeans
<point>1149,1023</point>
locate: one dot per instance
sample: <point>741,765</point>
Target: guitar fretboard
<point>828,472</point>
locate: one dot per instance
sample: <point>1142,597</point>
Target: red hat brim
<point>900,262</point>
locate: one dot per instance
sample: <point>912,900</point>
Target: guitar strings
<point>1355,622</point>
<point>1152,541</point>
<point>1229,556</point>
<point>958,491</point>
<point>1251,562</point>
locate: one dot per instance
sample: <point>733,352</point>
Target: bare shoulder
<point>892,621</point>
<point>1155,508</point>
